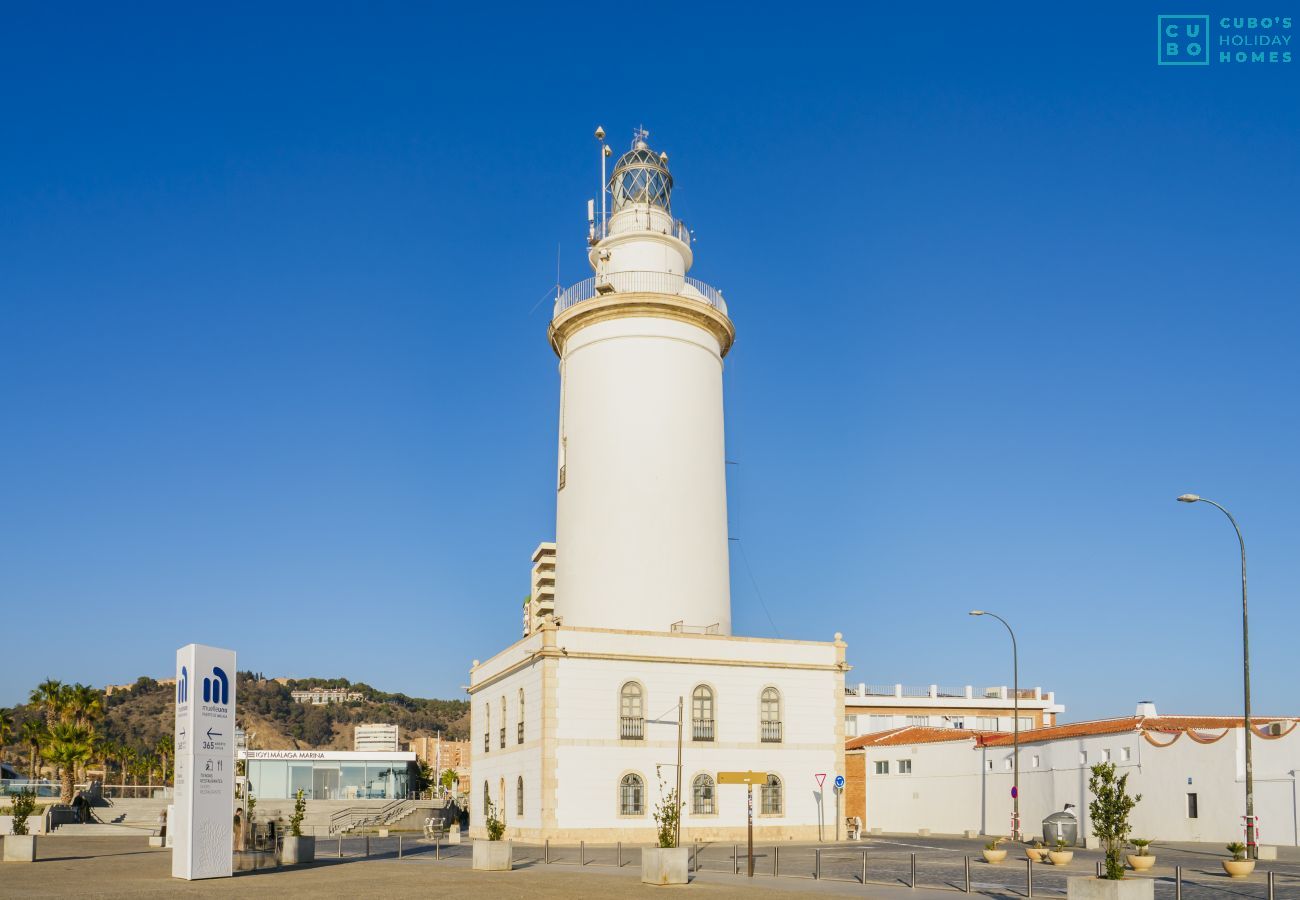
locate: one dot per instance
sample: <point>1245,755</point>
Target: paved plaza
<point>109,867</point>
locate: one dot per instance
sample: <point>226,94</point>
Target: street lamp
<point>1251,842</point>
<point>1015,726</point>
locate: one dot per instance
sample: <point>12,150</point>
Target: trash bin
<point>1063,825</point>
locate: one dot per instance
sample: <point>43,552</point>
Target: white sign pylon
<point>205,763</point>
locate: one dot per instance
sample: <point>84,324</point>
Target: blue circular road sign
<point>839,782</point>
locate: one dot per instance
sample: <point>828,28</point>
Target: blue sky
<point>271,375</point>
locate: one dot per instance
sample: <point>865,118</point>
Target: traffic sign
<point>821,778</point>
<point>839,782</point>
<point>1015,792</point>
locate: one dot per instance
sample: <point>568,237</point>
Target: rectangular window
<point>880,723</point>
<point>904,767</point>
<point>1026,723</point>
<point>1191,806</point>
<point>919,721</point>
<point>1036,761</point>
<point>1125,754</point>
<point>1105,756</point>
<point>986,723</point>
<point>1009,763</point>
<point>851,726</point>
<point>882,767</point>
<point>1083,757</point>
<point>958,722</point>
<point>990,763</point>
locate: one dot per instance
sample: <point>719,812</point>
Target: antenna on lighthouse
<point>604,154</point>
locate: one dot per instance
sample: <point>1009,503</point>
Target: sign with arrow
<point>205,767</point>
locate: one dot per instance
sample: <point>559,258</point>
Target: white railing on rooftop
<point>647,282</point>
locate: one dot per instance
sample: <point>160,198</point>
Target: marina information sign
<point>205,762</point>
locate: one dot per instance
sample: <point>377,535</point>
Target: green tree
<point>69,747</point>
<point>51,696</point>
<point>164,750</point>
<point>448,779</point>
<point>33,733</point>
<point>6,726</point>
<point>1109,811</point>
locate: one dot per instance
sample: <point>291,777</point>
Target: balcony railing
<point>770,732</point>
<point>631,728</point>
<point>503,737</point>
<point>647,282</point>
<point>519,733</point>
<point>487,742</point>
<point>702,729</point>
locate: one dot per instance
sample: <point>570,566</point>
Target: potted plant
<point>20,846</point>
<point>666,863</point>
<point>1141,860</point>
<point>1061,854</point>
<point>1236,867</point>
<point>991,852</point>
<point>1036,852</point>
<point>494,854</point>
<point>298,848</point>
<point>1109,811</point>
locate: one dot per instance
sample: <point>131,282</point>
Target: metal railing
<point>39,788</point>
<point>680,627</point>
<point>519,733</point>
<point>702,729</point>
<point>770,732</point>
<point>487,742</point>
<point>503,737</point>
<point>641,217</point>
<point>631,728</point>
<point>644,282</point>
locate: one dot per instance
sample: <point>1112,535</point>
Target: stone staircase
<point>98,829</point>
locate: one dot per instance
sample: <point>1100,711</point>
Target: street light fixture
<point>1015,724</point>
<point>1251,843</point>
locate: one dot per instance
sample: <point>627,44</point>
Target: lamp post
<point>1015,724</point>
<point>1251,843</point>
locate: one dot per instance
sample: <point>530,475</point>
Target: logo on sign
<point>217,688</point>
<point>183,686</point>
<point>839,782</point>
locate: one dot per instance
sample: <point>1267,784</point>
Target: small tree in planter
<point>1142,859</point>
<point>494,854</point>
<point>1238,866</point>
<point>1109,811</point>
<point>667,863</point>
<point>21,845</point>
<point>297,847</point>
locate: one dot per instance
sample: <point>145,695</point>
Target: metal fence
<point>630,282</point>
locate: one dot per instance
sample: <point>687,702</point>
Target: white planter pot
<point>494,856</point>
<point>1105,889</point>
<point>298,850</point>
<point>665,865</point>
<point>1143,862</point>
<point>20,848</point>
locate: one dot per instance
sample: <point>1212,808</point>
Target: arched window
<point>487,727</point>
<point>769,715</point>
<point>702,796</point>
<point>519,796</point>
<point>487,800</point>
<point>503,727</point>
<point>702,713</point>
<point>631,712</point>
<point>519,736</point>
<point>771,796</point>
<point>631,795</point>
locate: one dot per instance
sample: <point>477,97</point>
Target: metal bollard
<point>1029,878</point>
<point>1271,873</point>
<point>582,853</point>
<point>735,859</point>
<point>967,858</point>
<point>817,867</point>
<point>776,861</point>
<point>864,866</point>
<point>399,846</point>
<point>1178,883</point>
<point>340,848</point>
<point>620,854</point>
<point>1098,868</point>
<point>913,884</point>
<point>546,852</point>
<point>437,849</point>
<point>367,845</point>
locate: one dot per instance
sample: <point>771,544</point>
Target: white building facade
<point>575,727</point>
<point>870,708</point>
<point>1189,770</point>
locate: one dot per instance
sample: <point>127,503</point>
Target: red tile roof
<point>1163,724</point>
<point>913,734</point>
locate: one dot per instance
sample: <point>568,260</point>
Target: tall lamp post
<point>1252,844</point>
<point>1015,726</point>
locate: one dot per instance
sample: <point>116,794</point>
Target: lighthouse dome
<point>641,176</point>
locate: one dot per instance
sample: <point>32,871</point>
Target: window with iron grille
<point>702,796</point>
<point>631,795</point>
<point>769,714</point>
<point>772,803</point>
<point>519,796</point>
<point>631,712</point>
<point>702,713</point>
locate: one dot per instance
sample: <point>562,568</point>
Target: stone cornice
<point>641,304</point>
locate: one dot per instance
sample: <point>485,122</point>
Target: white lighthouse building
<point>628,661</point>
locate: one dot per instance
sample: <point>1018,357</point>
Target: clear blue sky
<point>271,376</point>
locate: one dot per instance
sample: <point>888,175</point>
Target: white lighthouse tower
<point>641,513</point>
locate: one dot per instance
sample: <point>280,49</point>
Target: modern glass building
<point>328,774</point>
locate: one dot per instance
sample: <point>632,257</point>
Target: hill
<point>141,714</point>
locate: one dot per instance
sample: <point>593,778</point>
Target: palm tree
<point>49,694</point>
<point>69,747</point>
<point>128,765</point>
<point>166,746</point>
<point>6,726</point>
<point>33,735</point>
<point>84,704</point>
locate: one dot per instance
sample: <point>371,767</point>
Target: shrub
<point>667,814</point>
<point>993,844</point>
<point>299,810</point>
<point>1237,849</point>
<point>1140,845</point>
<point>1109,811</point>
<point>496,828</point>
<point>24,805</point>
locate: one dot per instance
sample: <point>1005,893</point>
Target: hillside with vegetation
<point>73,728</point>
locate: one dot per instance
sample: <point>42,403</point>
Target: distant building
<point>1188,769</point>
<point>541,596</point>
<point>441,754</point>
<point>111,689</point>
<point>328,774</point>
<point>375,736</point>
<point>871,708</point>
<point>323,696</point>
